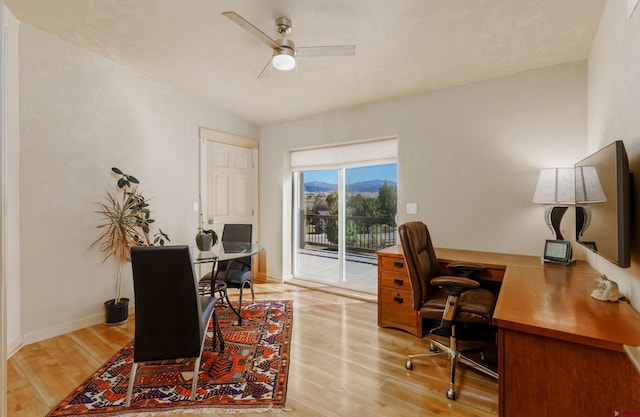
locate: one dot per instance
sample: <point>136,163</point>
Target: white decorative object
<point>606,290</point>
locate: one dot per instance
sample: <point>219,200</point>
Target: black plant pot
<point>117,313</point>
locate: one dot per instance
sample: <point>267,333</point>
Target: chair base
<point>438,349</point>
<point>243,286</point>
<point>240,287</point>
<point>196,365</point>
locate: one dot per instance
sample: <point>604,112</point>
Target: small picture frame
<point>558,252</point>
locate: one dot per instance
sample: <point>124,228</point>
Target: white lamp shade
<point>284,62</point>
<point>588,187</point>
<point>555,186</point>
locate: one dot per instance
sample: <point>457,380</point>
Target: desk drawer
<point>395,280</point>
<point>396,308</point>
<point>388,263</point>
<point>395,295</point>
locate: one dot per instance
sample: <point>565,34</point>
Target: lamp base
<point>553,216</point>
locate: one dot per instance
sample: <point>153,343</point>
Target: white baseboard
<point>14,346</point>
<point>68,327</point>
<point>273,280</point>
<point>59,329</point>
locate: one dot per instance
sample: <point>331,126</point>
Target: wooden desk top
<point>553,301</point>
<point>489,259</point>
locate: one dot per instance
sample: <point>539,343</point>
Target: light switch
<point>195,206</point>
<point>412,208</point>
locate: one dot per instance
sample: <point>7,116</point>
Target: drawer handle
<point>398,300</point>
<point>398,282</point>
<point>398,264</point>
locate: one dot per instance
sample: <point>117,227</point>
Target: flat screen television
<point>603,203</point>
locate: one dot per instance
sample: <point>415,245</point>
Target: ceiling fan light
<point>284,61</point>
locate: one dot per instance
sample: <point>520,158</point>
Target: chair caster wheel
<point>451,394</point>
<point>432,347</point>
<point>409,365</point>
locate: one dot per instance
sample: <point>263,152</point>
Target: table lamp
<point>555,187</point>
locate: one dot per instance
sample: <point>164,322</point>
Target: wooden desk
<point>560,351</point>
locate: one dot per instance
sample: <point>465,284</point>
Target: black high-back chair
<point>449,300</point>
<point>238,272</point>
<point>242,233</point>
<point>171,318</point>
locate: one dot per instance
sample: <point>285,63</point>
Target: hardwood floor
<point>342,364</point>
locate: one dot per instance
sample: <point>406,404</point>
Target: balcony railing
<point>362,234</point>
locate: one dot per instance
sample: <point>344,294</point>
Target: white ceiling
<point>402,47</point>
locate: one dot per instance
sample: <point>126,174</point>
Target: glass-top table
<point>225,251</point>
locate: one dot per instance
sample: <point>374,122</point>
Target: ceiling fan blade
<point>266,71</point>
<point>246,25</point>
<point>336,50</point>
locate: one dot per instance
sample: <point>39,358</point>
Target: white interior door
<point>230,185</point>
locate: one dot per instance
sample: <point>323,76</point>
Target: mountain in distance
<point>372,186</point>
<point>319,187</point>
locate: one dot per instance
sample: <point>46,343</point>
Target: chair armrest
<point>457,283</point>
<point>465,269</point>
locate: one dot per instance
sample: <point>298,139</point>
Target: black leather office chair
<point>171,318</point>
<point>452,300</point>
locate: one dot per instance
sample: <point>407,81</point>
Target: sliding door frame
<point>341,157</point>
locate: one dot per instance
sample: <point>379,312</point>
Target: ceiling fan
<point>284,50</point>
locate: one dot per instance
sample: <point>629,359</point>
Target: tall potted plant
<point>125,223</point>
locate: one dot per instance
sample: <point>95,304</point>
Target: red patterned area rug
<point>249,376</point>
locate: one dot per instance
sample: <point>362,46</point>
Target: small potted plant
<point>125,223</point>
<point>205,239</point>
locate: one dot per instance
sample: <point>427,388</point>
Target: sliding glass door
<point>343,216</point>
<point>316,226</point>
<point>369,221</point>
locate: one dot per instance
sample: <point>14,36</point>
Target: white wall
<point>11,186</point>
<point>3,161</point>
<point>80,115</point>
<point>614,113</point>
<point>469,156</point>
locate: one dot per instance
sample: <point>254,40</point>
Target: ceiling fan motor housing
<point>287,47</point>
<point>283,26</point>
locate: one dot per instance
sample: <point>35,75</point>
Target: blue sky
<point>378,172</point>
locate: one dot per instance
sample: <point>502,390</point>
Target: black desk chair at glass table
<point>171,317</point>
<point>237,273</point>
<point>224,251</point>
